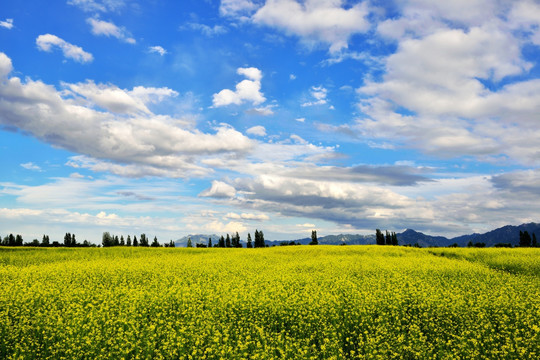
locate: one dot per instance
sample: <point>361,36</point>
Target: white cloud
<point>31,166</point>
<point>98,5</point>
<point>525,16</point>
<point>236,8</point>
<point>127,138</point>
<point>247,216</point>
<point>219,189</point>
<point>257,130</point>
<point>318,93</point>
<point>443,89</point>
<point>8,24</point>
<point>157,49</point>
<point>263,110</point>
<point>301,119</point>
<point>315,21</point>
<point>119,100</point>
<point>104,28</point>
<point>219,227</point>
<point>5,65</point>
<point>47,41</point>
<point>207,30</point>
<point>246,90</point>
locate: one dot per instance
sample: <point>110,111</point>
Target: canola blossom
<point>297,302</point>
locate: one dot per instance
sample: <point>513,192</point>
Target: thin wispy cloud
<point>7,24</point>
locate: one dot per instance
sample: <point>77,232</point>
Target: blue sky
<point>182,117</point>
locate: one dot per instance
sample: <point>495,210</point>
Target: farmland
<point>298,302</point>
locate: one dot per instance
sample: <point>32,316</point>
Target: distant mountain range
<point>506,234</point>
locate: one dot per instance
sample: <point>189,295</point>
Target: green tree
<point>144,241</point>
<point>534,243</point>
<point>128,241</point>
<point>388,238</point>
<point>209,242</point>
<point>524,239</point>
<point>19,240</point>
<point>135,242</point>
<point>228,241</point>
<point>155,243</point>
<point>394,239</point>
<point>45,241</point>
<point>249,243</point>
<point>236,241</point>
<point>67,240</point>
<point>221,242</point>
<point>314,240</point>
<point>379,237</point>
<point>189,244</point>
<point>122,242</point>
<point>106,239</point>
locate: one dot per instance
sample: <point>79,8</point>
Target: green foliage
<point>314,240</point>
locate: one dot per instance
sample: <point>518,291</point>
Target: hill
<point>506,234</point>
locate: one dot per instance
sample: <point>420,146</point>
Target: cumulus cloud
<point>219,189</point>
<point>104,28</point>
<point>525,16</point>
<point>5,65</point>
<point>316,21</point>
<point>257,130</point>
<point>118,100</point>
<point>157,49</point>
<point>236,8</point>
<point>248,90</point>
<point>230,227</point>
<point>318,93</point>
<point>452,90</point>
<point>47,42</point>
<point>8,24</point>
<point>126,138</point>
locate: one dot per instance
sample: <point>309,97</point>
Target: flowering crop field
<point>294,302</point>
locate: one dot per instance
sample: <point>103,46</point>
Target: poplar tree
<point>314,240</point>
<point>379,237</point>
<point>249,243</point>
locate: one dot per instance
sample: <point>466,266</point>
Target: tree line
<point>389,239</point>
<point>69,241</point>
<point>233,241</point>
<point>525,240</point>
<point>108,240</point>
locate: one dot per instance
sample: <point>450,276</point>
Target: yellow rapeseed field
<point>295,302</point>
